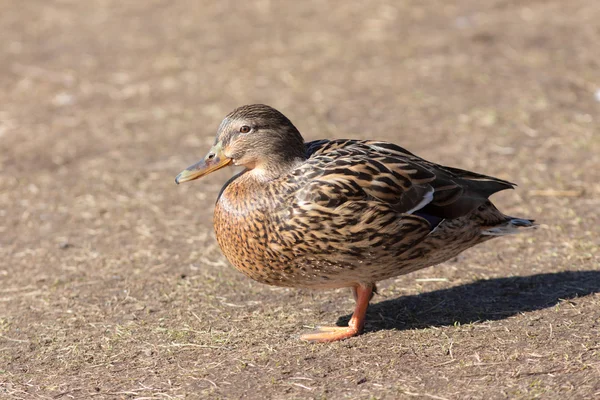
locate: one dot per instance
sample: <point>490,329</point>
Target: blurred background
<point>111,282</point>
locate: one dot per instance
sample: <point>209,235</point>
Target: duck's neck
<point>252,189</point>
<point>274,169</point>
<point>243,195</point>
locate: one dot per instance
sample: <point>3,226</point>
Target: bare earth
<point>111,282</point>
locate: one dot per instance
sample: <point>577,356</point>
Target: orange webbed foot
<point>362,294</point>
<point>325,334</point>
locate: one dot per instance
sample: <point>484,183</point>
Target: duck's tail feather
<point>510,226</point>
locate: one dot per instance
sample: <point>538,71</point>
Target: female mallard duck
<point>340,213</point>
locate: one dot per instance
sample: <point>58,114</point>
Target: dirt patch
<point>111,283</point>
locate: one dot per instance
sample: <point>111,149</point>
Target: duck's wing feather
<point>338,170</point>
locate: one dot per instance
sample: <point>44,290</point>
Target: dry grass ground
<point>111,283</point>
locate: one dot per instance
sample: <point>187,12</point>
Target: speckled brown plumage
<point>340,213</point>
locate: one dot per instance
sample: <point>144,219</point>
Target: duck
<point>340,213</point>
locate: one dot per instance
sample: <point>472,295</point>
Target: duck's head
<point>255,136</point>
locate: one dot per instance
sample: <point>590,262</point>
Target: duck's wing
<point>339,170</point>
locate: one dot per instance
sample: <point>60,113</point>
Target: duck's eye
<point>245,129</point>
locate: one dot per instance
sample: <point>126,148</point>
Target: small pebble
<point>65,245</point>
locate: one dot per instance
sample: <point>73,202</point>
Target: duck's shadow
<point>482,300</point>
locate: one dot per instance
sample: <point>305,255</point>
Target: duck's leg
<point>362,294</point>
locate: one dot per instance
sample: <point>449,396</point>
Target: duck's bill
<point>212,162</point>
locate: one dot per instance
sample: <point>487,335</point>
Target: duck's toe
<point>325,334</point>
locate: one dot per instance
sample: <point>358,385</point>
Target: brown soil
<point>112,285</point>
